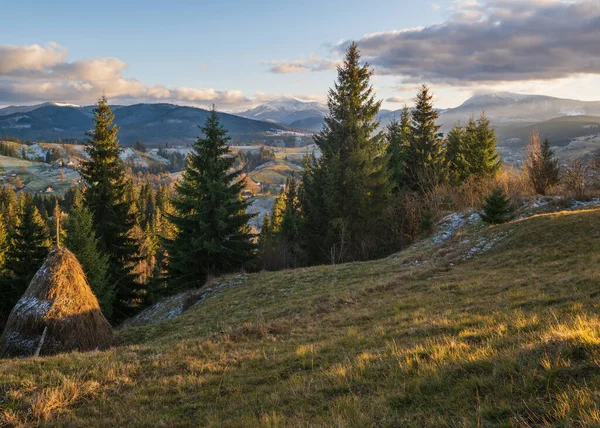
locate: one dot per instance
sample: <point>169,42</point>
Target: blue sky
<point>228,49</point>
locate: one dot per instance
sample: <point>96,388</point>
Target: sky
<point>238,54</point>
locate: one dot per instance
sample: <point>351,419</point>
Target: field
<point>438,335</point>
<point>275,172</point>
<point>37,176</point>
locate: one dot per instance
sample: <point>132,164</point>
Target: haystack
<point>57,313</point>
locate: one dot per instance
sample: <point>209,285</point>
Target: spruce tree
<point>497,207</point>
<point>550,164</point>
<point>348,188</point>
<point>484,156</point>
<point>82,241</point>
<point>213,236</point>
<point>457,154</point>
<point>425,155</point>
<point>398,134</point>
<point>471,151</point>
<point>105,197</point>
<point>29,245</point>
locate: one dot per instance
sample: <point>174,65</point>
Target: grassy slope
<point>512,337</point>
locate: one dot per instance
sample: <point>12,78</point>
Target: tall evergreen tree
<point>457,154</point>
<point>425,154</point>
<point>105,197</point>
<point>399,134</point>
<point>213,236</point>
<point>82,241</point>
<point>485,158</point>
<point>29,245</point>
<point>348,188</point>
<point>471,151</point>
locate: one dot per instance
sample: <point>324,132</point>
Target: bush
<point>497,207</point>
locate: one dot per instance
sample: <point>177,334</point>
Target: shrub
<point>497,207</point>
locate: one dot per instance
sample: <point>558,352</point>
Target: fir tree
<point>265,232</point>
<point>484,157</point>
<point>425,155</point>
<point>106,199</point>
<point>348,188</point>
<point>82,241</point>
<point>398,134</point>
<point>471,151</point>
<point>213,236</point>
<point>29,245</point>
<point>457,154</point>
<point>497,208</point>
<point>290,221</point>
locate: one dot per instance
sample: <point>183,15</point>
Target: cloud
<point>396,100</point>
<point>499,41</point>
<point>312,63</point>
<point>35,74</point>
<point>33,57</point>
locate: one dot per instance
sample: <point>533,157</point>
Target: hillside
<point>492,327</point>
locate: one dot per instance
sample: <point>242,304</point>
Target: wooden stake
<point>39,348</point>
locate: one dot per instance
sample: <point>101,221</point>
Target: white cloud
<point>312,63</point>
<point>33,57</point>
<point>35,74</point>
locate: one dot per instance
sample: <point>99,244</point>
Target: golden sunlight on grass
<point>509,338</point>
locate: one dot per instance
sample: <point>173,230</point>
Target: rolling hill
<point>494,327</point>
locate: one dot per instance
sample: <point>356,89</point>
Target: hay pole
<point>39,348</point>
<point>57,215</point>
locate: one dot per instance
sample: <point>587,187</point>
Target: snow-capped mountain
<point>504,107</point>
<point>26,109</point>
<point>286,111</point>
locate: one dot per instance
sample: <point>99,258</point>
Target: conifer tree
<point>29,245</point>
<point>398,144</point>
<point>213,236</point>
<point>290,221</point>
<point>484,157</point>
<point>8,207</point>
<point>105,197</point>
<point>348,188</point>
<point>457,154</point>
<point>265,232</point>
<point>497,207</point>
<point>82,241</point>
<point>425,155</point>
<point>471,151</point>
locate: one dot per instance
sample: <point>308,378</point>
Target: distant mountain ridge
<point>151,123</point>
<point>287,111</point>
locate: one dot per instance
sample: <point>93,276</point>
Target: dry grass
<point>508,339</point>
<point>60,300</point>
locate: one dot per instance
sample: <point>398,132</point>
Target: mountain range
<point>513,115</point>
<point>150,123</point>
<point>291,112</point>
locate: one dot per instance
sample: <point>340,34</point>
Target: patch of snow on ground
<point>483,245</point>
<point>172,307</point>
<point>449,225</point>
<point>579,204</point>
